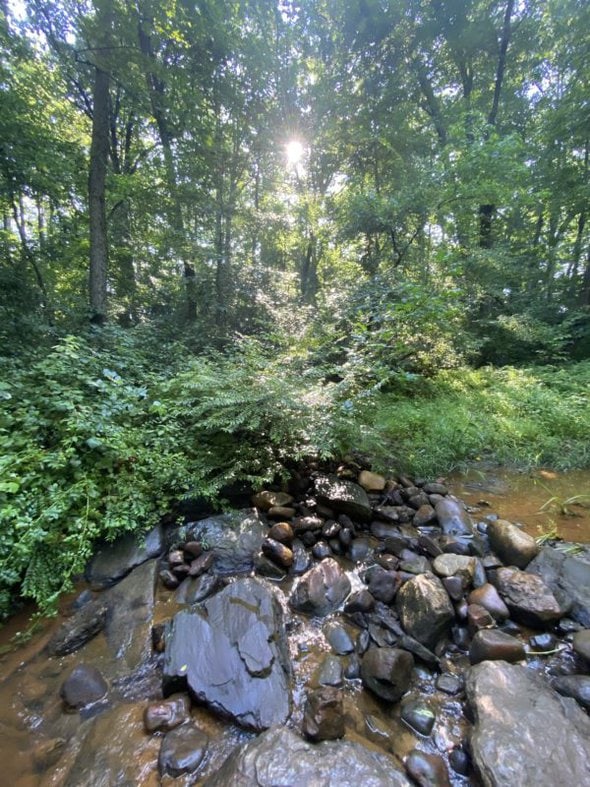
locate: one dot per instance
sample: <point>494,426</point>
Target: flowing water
<point>39,741</point>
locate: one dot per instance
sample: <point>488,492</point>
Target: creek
<point>104,744</point>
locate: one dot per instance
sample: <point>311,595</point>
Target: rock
<point>323,717</point>
<point>487,597</point>
<point>449,683</point>
<point>192,550</point>
<point>361,601</point>
<point>449,565</point>
<point>360,549</point>
<point>231,652</point>
<point>387,672</point>
<point>581,643</point>
<point>115,560</point>
<point>265,567</point>
<point>183,750</point>
<point>455,587</point>
<point>383,584</point>
<point>345,497</point>
<point>305,525</point>
<point>339,638</point>
<point>200,565</point>
<point>277,552</point>
<point>416,565</point>
<point>83,686</point>
<point>265,500</point>
<point>419,501</point>
<point>282,532</point>
<point>301,558</point>
<point>130,604</point>
<point>280,512</point>
<point>452,518</point>
<point>576,686</point>
<point>425,515</point>
<point>418,715</point>
<point>478,618</point>
<point>525,733</point>
<point>428,770</point>
<point>321,550</point>
<point>166,715</point>
<point>435,489</point>
<point>371,482</point>
<point>79,629</point>
<point>568,575</point>
<point>425,609</point>
<point>460,761</point>
<point>527,597</point>
<point>321,590</point>
<point>512,545</point>
<point>330,671</point>
<point>279,757</point>
<point>233,540</point>
<point>196,589</point>
<point>494,645</point>
<point>543,642</point>
<point>169,579</point>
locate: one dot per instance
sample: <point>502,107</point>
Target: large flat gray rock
<point>278,757</point>
<point>567,576</point>
<point>114,561</point>
<point>231,651</point>
<point>525,733</point>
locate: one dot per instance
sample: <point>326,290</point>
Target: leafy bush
<point>95,443</point>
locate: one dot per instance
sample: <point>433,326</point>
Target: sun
<point>294,151</point>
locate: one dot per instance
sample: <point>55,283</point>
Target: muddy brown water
<point>543,501</point>
<point>39,742</point>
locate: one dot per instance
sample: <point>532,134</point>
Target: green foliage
<point>96,443</point>
<point>521,417</point>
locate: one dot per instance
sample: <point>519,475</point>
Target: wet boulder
<point>75,632</point>
<point>166,715</point>
<point>266,500</point>
<point>196,589</point>
<point>525,733</point>
<point>568,576</point>
<point>387,672</point>
<point>115,560</point>
<point>321,590</point>
<point>487,596</point>
<point>512,545</point>
<point>279,757</point>
<point>230,652</point>
<point>233,539</point>
<point>427,770</point>
<point>425,610</point>
<point>453,518</point>
<point>575,686</point>
<point>83,686</point>
<point>183,750</point>
<point>528,598</point>
<point>128,628</point>
<point>581,644</point>
<point>344,497</point>
<point>494,645</point>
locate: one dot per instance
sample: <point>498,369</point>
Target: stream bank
<point>349,628</point>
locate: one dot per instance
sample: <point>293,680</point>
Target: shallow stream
<point>39,741</point>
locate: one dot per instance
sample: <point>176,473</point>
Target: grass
<point>523,418</point>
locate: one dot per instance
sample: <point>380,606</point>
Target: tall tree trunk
<point>156,88</point>
<point>99,153</point>
<point>486,211</point>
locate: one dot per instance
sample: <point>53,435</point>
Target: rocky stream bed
<point>351,630</point>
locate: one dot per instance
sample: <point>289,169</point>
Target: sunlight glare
<point>294,151</point>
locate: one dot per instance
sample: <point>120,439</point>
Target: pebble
<point>581,643</point>
<point>419,716</point>
<point>428,770</point>
<point>494,645</point>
